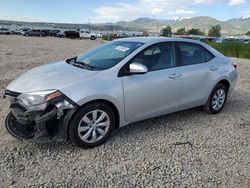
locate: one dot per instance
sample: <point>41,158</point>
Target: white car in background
<point>5,31</point>
<point>22,31</point>
<point>87,34</point>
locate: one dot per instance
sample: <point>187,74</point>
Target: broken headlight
<point>38,100</point>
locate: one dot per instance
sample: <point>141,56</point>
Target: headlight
<point>37,100</point>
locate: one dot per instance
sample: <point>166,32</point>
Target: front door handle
<point>175,76</point>
<point>213,68</point>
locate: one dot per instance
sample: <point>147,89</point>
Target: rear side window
<point>191,53</point>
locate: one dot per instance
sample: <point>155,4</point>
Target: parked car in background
<point>99,35</point>
<point>5,31</point>
<point>54,32</point>
<point>87,35</point>
<point>84,98</point>
<point>246,41</point>
<point>47,31</point>
<point>22,31</point>
<point>220,40</point>
<point>35,32</point>
<point>60,34</point>
<point>71,34</point>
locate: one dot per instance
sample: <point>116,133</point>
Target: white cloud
<point>236,2</point>
<point>143,8</point>
<point>17,18</point>
<point>230,2</point>
<point>182,11</point>
<point>152,8</point>
<point>156,10</point>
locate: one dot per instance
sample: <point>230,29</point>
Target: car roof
<point>157,39</point>
<point>153,40</point>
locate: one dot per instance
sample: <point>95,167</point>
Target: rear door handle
<point>213,68</point>
<point>175,76</point>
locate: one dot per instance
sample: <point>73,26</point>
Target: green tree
<point>195,32</point>
<point>215,31</point>
<point>181,31</point>
<point>166,32</point>
<point>248,33</point>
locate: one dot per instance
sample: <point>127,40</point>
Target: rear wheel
<point>216,100</point>
<point>92,125</point>
<point>92,37</point>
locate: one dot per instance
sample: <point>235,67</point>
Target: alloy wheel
<point>218,99</point>
<point>93,126</point>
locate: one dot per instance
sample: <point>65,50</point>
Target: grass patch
<point>233,49</point>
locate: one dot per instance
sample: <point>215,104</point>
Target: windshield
<point>108,55</point>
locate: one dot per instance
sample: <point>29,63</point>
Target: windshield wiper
<point>81,64</point>
<point>85,65</point>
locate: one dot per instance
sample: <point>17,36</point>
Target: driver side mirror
<point>137,68</point>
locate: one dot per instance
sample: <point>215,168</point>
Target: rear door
<point>197,67</point>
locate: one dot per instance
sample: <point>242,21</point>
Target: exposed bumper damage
<point>47,125</point>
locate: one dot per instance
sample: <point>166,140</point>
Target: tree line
<point>214,31</point>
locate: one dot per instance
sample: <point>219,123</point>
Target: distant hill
<point>233,26</point>
<point>145,23</point>
<point>242,23</point>
<point>205,23</point>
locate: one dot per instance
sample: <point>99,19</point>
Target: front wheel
<point>216,100</point>
<point>92,125</point>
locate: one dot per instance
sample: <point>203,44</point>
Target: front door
<point>156,92</point>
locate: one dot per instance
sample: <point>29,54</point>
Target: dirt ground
<point>184,149</point>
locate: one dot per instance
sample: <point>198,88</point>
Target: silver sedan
<point>84,98</point>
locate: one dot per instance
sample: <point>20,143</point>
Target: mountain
<point>233,26</point>
<point>145,22</point>
<point>242,23</point>
<point>204,24</point>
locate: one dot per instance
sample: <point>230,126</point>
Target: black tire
<point>92,37</point>
<point>9,118</point>
<point>74,123</point>
<point>208,106</point>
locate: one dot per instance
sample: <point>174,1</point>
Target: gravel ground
<point>184,149</point>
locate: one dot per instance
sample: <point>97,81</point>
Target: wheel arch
<point>224,82</point>
<point>109,103</point>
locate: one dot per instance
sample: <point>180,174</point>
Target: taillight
<point>234,65</point>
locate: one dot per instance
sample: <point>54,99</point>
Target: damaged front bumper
<point>46,125</point>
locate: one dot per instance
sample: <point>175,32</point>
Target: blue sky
<point>97,11</point>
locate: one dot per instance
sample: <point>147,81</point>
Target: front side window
<point>193,54</point>
<point>156,57</point>
<point>108,55</point>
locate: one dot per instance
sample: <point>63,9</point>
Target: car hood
<point>51,76</point>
